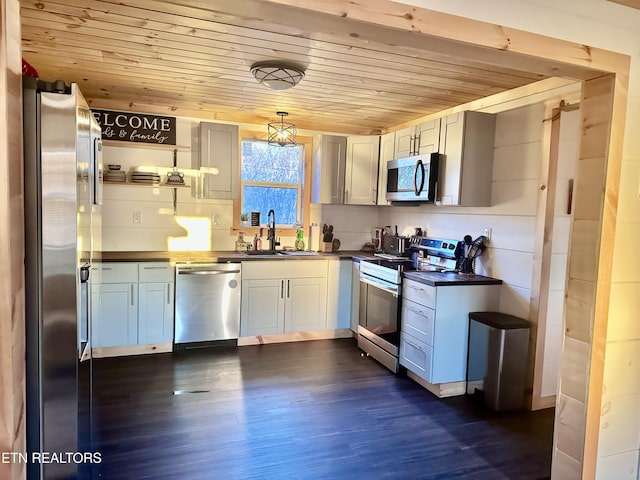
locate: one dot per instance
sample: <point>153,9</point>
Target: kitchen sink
<point>263,252</point>
<point>297,253</point>
<point>280,253</point>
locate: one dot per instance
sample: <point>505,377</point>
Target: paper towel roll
<point>314,238</point>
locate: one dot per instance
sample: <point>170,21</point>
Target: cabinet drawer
<point>419,293</point>
<point>119,272</point>
<point>416,356</point>
<point>156,272</point>
<point>417,321</point>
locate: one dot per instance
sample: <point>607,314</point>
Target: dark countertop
<point>439,279</point>
<point>221,256</point>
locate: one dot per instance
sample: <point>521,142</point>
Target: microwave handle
<point>419,166</point>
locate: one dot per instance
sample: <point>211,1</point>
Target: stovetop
<point>400,264</point>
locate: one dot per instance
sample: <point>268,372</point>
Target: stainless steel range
<point>381,294</point>
<point>379,318</point>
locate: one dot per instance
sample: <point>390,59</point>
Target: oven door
<point>379,319</point>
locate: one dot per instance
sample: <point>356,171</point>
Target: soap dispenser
<point>300,240</point>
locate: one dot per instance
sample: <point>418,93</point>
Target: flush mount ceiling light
<point>281,133</point>
<point>277,75</point>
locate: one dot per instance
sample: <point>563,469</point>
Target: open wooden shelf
<point>142,184</point>
<point>155,146</point>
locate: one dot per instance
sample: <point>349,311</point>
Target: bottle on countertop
<point>299,245</point>
<point>257,245</point>
<point>241,245</point>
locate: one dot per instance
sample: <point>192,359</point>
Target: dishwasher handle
<point>206,272</point>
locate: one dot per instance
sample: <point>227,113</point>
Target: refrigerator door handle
<point>85,270</point>
<point>97,171</point>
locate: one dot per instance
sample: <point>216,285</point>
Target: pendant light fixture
<point>277,75</point>
<point>281,133</point>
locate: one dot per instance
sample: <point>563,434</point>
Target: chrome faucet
<point>271,233</point>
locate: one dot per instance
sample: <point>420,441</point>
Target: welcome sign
<point>136,127</point>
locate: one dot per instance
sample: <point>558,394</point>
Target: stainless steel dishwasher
<point>207,304</point>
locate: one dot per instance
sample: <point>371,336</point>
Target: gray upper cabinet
<point>361,176</point>
<point>467,141</point>
<point>329,161</point>
<point>421,139</point>
<point>219,160</point>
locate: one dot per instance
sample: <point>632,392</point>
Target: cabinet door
<point>339,294</point>
<point>467,141</point>
<point>329,158</point>
<point>306,304</point>
<point>361,178</point>
<point>403,146</point>
<point>155,313</point>
<point>355,295</point>
<point>428,137</point>
<point>451,146</point>
<point>262,311</point>
<point>387,145</point>
<point>117,321</point>
<point>219,160</point>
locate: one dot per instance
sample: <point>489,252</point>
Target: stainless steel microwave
<point>413,178</point>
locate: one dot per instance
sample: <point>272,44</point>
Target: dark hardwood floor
<point>307,410</point>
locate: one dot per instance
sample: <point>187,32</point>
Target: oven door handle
<point>392,291</point>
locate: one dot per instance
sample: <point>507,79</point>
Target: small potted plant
<point>244,217</point>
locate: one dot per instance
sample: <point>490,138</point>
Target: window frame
<point>305,203</point>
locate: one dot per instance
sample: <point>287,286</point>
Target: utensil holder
<point>326,247</point>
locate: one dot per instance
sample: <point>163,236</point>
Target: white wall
<point>352,224</point>
<point>617,28</point>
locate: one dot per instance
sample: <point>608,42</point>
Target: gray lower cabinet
<point>132,304</point>
<point>283,296</point>
<point>339,291</point>
<point>114,314</point>
<point>435,327</point>
<point>355,295</point>
<point>155,313</point>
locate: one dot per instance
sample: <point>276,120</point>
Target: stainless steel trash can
<point>497,359</point>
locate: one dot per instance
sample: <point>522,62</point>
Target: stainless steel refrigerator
<point>63,188</point>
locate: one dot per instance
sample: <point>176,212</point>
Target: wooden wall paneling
<point>628,3</point>
<point>12,349</point>
<point>192,36</point>
<point>542,252</point>
<point>545,54</point>
<point>607,100</point>
<point>361,77</point>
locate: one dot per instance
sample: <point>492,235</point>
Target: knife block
<point>326,247</point>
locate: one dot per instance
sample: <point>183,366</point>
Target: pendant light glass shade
<point>281,133</point>
<point>277,76</point>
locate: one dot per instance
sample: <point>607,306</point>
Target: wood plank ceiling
<point>192,58</point>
